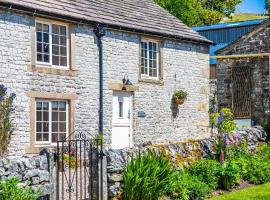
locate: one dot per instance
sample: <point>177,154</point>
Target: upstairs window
<point>149,59</point>
<point>52,44</point>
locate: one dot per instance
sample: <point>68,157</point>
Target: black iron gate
<point>79,168</point>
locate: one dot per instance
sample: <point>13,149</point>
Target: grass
<point>244,17</point>
<point>260,192</point>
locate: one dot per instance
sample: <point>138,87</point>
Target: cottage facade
<point>50,57</point>
<point>243,76</point>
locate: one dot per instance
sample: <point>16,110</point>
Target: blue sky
<point>251,6</point>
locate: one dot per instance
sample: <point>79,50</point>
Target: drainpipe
<point>100,32</point>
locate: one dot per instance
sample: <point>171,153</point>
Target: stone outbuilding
<point>101,66</point>
<point>243,76</point>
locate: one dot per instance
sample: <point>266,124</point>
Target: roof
<point>134,15</point>
<point>228,47</point>
<point>228,25</point>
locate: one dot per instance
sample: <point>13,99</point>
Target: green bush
<point>146,177</point>
<point>9,190</point>
<point>184,186</point>
<point>206,171</point>
<point>229,175</point>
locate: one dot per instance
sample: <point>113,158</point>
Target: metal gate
<point>79,168</point>
<point>241,100</point>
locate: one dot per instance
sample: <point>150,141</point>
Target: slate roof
<point>135,15</point>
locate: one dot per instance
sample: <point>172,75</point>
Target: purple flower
<point>3,89</point>
<point>225,140</point>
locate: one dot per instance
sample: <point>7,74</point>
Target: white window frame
<point>50,43</point>
<point>148,53</point>
<point>50,143</point>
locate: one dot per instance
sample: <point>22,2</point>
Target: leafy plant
<point>206,171</point>
<point>9,190</point>
<point>6,108</point>
<point>180,94</point>
<point>229,175</point>
<point>146,176</point>
<point>184,186</point>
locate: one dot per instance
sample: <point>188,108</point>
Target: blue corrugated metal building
<point>225,33</point>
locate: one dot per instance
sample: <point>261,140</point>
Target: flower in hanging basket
<point>180,97</point>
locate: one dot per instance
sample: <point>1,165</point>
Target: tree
<point>200,12</point>
<point>267,6</point>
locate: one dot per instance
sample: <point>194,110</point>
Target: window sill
<point>50,70</point>
<point>153,81</point>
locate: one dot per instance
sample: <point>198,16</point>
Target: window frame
<point>147,76</point>
<point>50,143</point>
<point>50,23</point>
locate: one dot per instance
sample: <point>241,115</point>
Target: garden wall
<point>180,153</point>
<point>35,170</point>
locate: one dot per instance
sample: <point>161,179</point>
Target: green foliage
<point>229,175</point>
<point>146,177</point>
<point>206,171</point>
<point>6,108</point>
<point>199,12</point>
<point>267,5</point>
<point>180,94</point>
<point>184,186</point>
<point>9,190</point>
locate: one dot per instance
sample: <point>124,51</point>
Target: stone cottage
<point>101,66</point>
<point>243,76</point>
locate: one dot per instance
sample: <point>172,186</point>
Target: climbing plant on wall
<point>6,108</point>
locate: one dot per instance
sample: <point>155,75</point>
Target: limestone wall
<point>180,153</point>
<point>35,171</point>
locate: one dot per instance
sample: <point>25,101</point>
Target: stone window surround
<point>49,69</point>
<point>160,43</point>
<point>33,95</point>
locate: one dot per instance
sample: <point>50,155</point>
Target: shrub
<point>258,170</point>
<point>146,177</point>
<point>9,190</point>
<point>6,108</point>
<point>184,186</point>
<point>206,171</point>
<point>229,175</point>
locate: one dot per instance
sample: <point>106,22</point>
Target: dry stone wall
<point>35,171</point>
<point>182,153</point>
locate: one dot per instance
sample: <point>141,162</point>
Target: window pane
<point>55,60</point>
<point>39,57</point>
<point>45,116</point>
<point>55,29</point>
<point>45,127</point>
<point>38,27</point>
<point>154,72</point>
<point>55,39</point>
<point>46,48</point>
<point>45,105</point>
<point>54,105</point>
<point>63,61</point>
<point>63,40</point>
<point>62,136</point>
<point>38,127</point>
<point>55,50</point>
<point>46,37</point>
<point>39,137</point>
<point>55,116</point>
<point>63,30</point>
<point>39,47</point>
<point>54,126</point>
<point>62,116</point>
<point>63,51</point>
<point>38,105</point>
<point>46,58</point>
<point>62,127</point>
<point>45,136</point>
<point>39,116</point>
<point>62,106</point>
<point>154,47</point>
<point>46,28</point>
<point>39,36</point>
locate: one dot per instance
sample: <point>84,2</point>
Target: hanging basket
<point>179,101</point>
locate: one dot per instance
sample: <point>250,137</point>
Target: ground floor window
<point>51,122</point>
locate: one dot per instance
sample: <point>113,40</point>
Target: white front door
<point>122,120</point>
